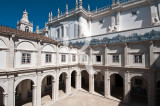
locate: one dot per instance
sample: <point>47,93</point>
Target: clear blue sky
<point>38,10</point>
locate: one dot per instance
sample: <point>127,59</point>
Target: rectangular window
<point>84,58</point>
<point>138,58</point>
<point>73,58</point>
<point>98,58</point>
<point>48,58</point>
<point>58,33</point>
<point>115,58</point>
<point>62,31</point>
<point>63,58</point>
<point>26,58</point>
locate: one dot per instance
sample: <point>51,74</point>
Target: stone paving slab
<point>80,98</point>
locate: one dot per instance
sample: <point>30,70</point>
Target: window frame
<point>114,60</point>
<point>73,59</point>
<point>84,58</point>
<point>63,59</point>
<point>97,58</point>
<point>46,60</point>
<point>26,58</point>
<point>138,62</point>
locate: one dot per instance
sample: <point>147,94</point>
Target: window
<point>84,58</point>
<point>26,58</point>
<point>48,58</point>
<point>63,58</point>
<point>138,82</point>
<point>58,33</point>
<point>62,31</point>
<point>138,58</point>
<point>134,13</point>
<point>98,58</point>
<point>115,58</point>
<point>26,29</point>
<point>101,21</point>
<point>49,80</point>
<point>73,58</point>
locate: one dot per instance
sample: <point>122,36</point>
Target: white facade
<point>123,45</point>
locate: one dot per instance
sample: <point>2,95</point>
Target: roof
<point>19,33</point>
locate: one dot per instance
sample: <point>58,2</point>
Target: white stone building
<point>114,51</point>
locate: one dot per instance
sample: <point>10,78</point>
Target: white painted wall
<point>98,28</point>
<point>127,21</point>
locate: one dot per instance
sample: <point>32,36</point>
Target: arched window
<point>26,29</point>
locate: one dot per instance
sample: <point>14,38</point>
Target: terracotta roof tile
<point>5,29</point>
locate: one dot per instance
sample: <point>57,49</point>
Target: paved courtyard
<point>80,98</point>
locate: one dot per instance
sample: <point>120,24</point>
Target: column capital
<point>34,86</point>
<point>5,94</point>
<point>53,81</point>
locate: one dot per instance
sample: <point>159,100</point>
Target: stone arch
<point>2,90</point>
<point>47,74</point>
<point>63,49</point>
<point>137,75</point>
<point>85,80</point>
<point>25,91</point>
<point>48,48</point>
<point>47,87</point>
<point>114,72</point>
<point>117,85</point>
<point>63,72</point>
<point>2,44</point>
<point>22,79</point>
<point>74,79</point>
<point>139,89</point>
<point>27,45</point>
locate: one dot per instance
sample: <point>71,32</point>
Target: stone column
<point>39,54</point>
<point>5,96</point>
<point>151,55</point>
<point>34,95</point>
<point>91,83</point>
<point>90,56</point>
<point>80,20</point>
<point>53,91</point>
<point>106,84</point>
<point>57,86</point>
<point>76,80</point>
<point>79,82</point>
<point>39,87</point>
<point>11,54</point>
<point>125,64</point>
<point>57,55</point>
<point>105,55</point>
<point>151,88</point>
<point>11,93</point>
<point>68,85</point>
<point>127,87</point>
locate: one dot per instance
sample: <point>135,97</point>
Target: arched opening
<point>46,90</point>
<point>1,96</point>
<point>99,83</point>
<point>85,80</point>
<point>73,80</point>
<point>138,91</point>
<point>158,93</point>
<point>23,94</point>
<point>62,84</point>
<point>116,84</point>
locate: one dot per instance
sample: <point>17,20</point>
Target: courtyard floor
<point>80,98</point>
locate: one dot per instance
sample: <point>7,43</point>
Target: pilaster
<point>39,87</point>
<point>53,90</point>
<point>11,93</point>
<point>125,55</point>
<point>106,84</point>
<point>91,83</point>
<point>106,55</point>
<point>34,95</point>
<point>127,87</point>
